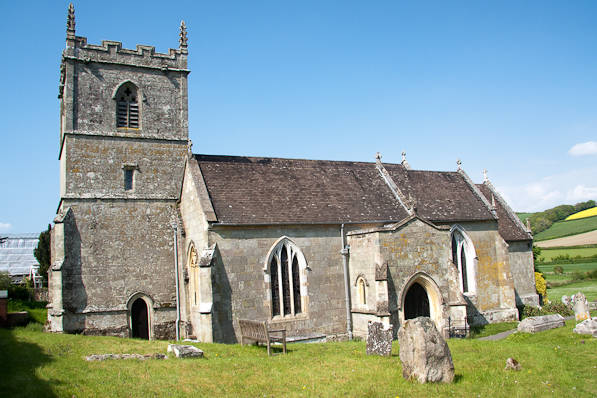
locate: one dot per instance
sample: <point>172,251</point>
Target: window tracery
<point>286,265</point>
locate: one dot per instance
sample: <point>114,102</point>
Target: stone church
<point>153,241</point>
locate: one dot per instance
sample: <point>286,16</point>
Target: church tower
<point>123,147</point>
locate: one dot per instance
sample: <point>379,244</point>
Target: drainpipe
<point>175,228</point>
<point>345,253</point>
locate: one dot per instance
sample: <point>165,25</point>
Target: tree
<point>4,280</point>
<point>42,252</point>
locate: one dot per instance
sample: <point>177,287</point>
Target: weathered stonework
<point>127,193</point>
<point>112,244</point>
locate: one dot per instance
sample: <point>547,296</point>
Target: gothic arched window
<point>127,106</point>
<point>286,267</point>
<point>463,256</point>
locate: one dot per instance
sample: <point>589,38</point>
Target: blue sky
<point>508,86</point>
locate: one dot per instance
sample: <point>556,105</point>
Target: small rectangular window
<point>128,179</point>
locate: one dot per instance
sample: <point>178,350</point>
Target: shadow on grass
<point>457,378</point>
<point>18,362</point>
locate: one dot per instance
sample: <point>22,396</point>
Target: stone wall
<point>418,252</point>
<point>494,299</point>
<point>94,167</point>
<point>241,281</point>
<point>115,250</point>
<point>523,274</point>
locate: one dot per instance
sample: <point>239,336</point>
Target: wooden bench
<point>260,332</point>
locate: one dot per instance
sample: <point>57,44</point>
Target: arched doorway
<point>139,319</point>
<point>416,302</point>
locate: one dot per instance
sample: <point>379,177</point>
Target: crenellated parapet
<point>111,52</point>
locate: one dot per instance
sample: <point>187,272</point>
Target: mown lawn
<point>556,363</point>
<point>561,229</point>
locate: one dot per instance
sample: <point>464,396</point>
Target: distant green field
<point>569,269</point>
<point>548,254</point>
<point>524,216</point>
<point>588,288</point>
<point>561,229</point>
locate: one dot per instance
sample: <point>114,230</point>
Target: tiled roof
<point>440,196</point>
<point>510,229</point>
<point>250,190</point>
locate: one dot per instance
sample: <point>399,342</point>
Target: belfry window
<point>463,256</point>
<point>127,106</point>
<point>286,266</point>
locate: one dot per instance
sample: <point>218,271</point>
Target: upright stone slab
<point>379,339</point>
<point>581,307</point>
<point>424,354</point>
<point>539,323</point>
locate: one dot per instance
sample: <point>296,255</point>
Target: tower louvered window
<point>127,107</point>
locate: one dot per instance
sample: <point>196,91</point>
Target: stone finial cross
<point>485,178</point>
<point>183,40</point>
<point>459,163</point>
<point>70,22</point>
<point>378,156</point>
<point>403,156</point>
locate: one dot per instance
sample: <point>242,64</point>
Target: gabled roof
<point>509,225</point>
<point>440,196</point>
<point>251,190</point>
<point>261,191</point>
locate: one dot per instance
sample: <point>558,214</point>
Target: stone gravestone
<point>185,351</point>
<point>581,307</point>
<point>588,326</point>
<point>379,339</point>
<point>424,354</point>
<point>535,324</point>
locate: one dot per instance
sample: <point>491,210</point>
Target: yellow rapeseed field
<point>583,214</point>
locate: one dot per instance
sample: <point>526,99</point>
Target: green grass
<point>555,363</point>
<point>491,329</point>
<point>569,269</point>
<point>561,229</point>
<point>547,255</point>
<point>588,288</point>
<point>36,309</point>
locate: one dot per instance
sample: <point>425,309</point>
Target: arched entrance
<point>139,319</point>
<point>416,302</point>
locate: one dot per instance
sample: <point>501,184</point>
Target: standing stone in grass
<point>424,354</point>
<point>581,307</point>
<point>379,339</point>
<point>185,351</point>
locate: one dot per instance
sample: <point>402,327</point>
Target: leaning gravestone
<point>379,339</point>
<point>424,354</point>
<point>588,326</point>
<point>581,307</point>
<point>540,323</point>
<point>185,351</point>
